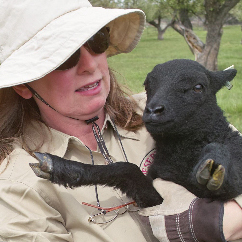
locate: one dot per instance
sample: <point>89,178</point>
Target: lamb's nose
<point>155,110</point>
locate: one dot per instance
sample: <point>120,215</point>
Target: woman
<point>48,94</point>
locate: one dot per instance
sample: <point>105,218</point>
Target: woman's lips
<point>89,87</point>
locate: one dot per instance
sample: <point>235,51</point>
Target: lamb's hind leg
<point>122,175</point>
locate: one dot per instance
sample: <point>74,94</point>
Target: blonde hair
<point>18,113</point>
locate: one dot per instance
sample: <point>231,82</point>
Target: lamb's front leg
<point>122,175</point>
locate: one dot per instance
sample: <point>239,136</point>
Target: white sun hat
<point>36,36</point>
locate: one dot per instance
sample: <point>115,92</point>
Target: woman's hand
<point>184,217</point>
<point>232,222</point>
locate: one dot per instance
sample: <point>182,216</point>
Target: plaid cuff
<point>203,221</point>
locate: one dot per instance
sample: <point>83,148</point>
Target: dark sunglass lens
<point>71,62</point>
<point>99,42</point>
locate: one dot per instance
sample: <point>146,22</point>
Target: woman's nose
<point>87,61</point>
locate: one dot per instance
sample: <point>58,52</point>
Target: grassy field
<point>133,67</point>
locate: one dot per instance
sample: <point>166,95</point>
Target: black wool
<point>195,145</point>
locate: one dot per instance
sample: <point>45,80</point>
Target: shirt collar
<point>49,140</point>
<point>56,142</point>
<point>122,132</point>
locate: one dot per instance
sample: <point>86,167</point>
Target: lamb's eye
<point>198,88</point>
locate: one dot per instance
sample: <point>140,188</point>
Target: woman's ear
<point>23,91</point>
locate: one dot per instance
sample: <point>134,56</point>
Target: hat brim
<point>57,41</point>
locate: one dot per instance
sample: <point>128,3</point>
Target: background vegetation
<point>133,67</point>
<point>180,15</point>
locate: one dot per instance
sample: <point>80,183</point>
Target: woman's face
<point>79,92</point>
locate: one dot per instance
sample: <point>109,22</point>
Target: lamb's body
<point>195,145</point>
<point>178,159</point>
<point>189,129</point>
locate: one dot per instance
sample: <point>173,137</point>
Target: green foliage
<point>150,51</point>
<point>165,8</point>
<point>106,3</point>
<point>153,9</point>
<point>193,6</point>
<point>237,11</point>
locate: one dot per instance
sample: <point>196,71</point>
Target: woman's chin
<point>91,113</point>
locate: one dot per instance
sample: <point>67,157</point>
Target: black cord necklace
<point>97,134</point>
<point>99,138</point>
<point>102,146</point>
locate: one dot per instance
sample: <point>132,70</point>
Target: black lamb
<point>195,145</point>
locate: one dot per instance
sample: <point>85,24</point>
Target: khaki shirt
<point>34,209</point>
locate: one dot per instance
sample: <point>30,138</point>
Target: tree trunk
<point>216,13</point>
<point>195,44</point>
<point>208,57</point>
<point>159,29</point>
<point>160,33</point>
<point>184,18</point>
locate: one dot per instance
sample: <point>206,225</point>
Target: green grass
<point>133,67</point>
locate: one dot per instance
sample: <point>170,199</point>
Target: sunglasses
<point>98,44</point>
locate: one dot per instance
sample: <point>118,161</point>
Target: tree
<point>216,12</point>
<point>237,11</point>
<point>157,25</point>
<point>184,9</point>
<point>156,11</point>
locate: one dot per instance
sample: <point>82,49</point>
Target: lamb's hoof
<point>44,168</point>
<point>217,179</point>
<point>204,172</point>
<point>212,179</point>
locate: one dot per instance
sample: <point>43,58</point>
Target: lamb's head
<point>181,96</point>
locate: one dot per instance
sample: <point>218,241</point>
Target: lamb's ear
<point>221,78</point>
